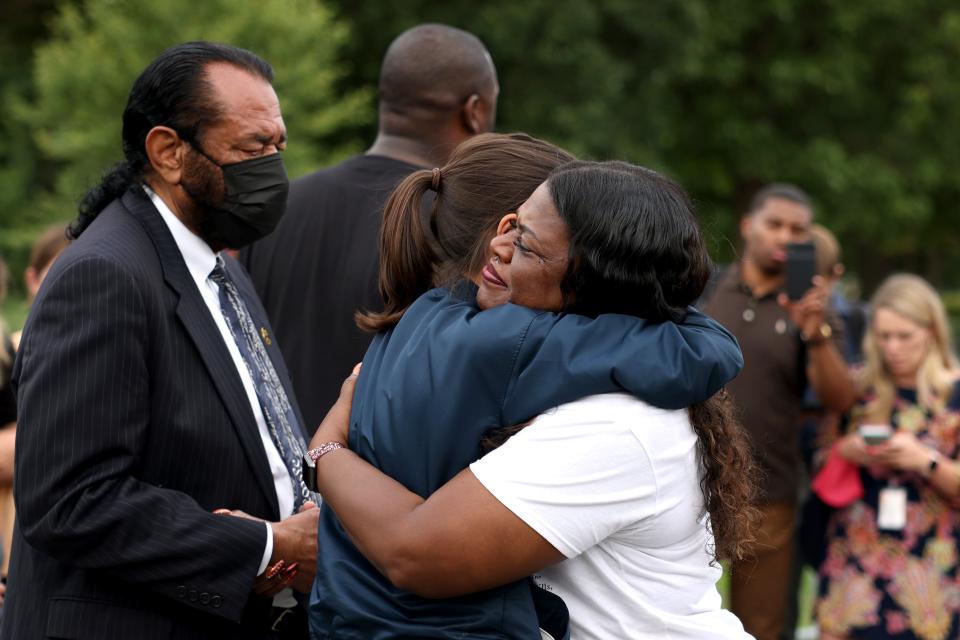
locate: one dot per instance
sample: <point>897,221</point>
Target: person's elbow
<point>414,568</point>
<point>41,523</point>
<point>838,404</point>
<point>840,397</point>
<point>730,362</point>
<point>57,522</point>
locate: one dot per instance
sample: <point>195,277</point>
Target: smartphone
<point>801,267</point>
<point>874,434</point>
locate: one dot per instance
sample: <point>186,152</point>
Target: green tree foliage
<point>83,73</point>
<point>21,26</point>
<point>855,101</point>
<point>858,102</point>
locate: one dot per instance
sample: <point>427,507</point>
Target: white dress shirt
<point>200,260</point>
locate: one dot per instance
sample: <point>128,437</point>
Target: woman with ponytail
<point>487,176</point>
<point>442,375</point>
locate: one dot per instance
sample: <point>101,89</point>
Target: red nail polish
<point>275,569</point>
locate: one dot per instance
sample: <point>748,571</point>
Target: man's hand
<point>295,540</point>
<point>827,371</point>
<point>336,426</point>
<point>808,312</point>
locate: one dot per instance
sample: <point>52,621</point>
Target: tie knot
<point>219,274</point>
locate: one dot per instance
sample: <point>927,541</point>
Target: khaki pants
<point>759,585</point>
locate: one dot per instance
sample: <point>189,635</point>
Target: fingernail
<point>275,569</point>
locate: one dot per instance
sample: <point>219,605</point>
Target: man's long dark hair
<point>636,248</point>
<point>172,91</point>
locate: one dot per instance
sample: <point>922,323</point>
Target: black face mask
<point>255,198</point>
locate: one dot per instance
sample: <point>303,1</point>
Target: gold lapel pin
<point>266,336</point>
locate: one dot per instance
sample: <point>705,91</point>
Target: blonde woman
<point>891,566</point>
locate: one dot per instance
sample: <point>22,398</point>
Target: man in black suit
<point>150,389</point>
<point>438,87</point>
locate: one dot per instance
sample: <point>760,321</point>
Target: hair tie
<point>435,182</point>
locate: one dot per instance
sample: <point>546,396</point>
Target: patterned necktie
<point>281,420</point>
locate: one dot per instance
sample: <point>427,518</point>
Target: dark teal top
<point>434,384</point>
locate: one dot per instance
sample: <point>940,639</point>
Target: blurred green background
<point>854,101</point>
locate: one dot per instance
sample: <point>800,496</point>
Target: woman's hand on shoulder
<point>336,425</point>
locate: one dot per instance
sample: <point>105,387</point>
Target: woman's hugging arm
<point>513,513</point>
<point>460,540</point>
<point>669,365</point>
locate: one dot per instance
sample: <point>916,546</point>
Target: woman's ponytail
<point>406,257</point>
<point>486,177</point>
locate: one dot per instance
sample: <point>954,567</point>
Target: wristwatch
<point>932,466</point>
<point>823,333</point>
<point>310,462</point>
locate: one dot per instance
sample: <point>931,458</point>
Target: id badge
<point>892,512</point>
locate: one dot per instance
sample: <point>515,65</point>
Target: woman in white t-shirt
<point>639,503</point>
<point>612,483</point>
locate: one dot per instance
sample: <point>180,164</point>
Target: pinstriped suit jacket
<point>133,427</point>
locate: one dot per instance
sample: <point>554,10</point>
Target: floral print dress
<point>897,584</point>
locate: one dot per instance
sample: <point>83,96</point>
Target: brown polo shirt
<point>769,390</point>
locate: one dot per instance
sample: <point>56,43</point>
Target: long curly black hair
<point>636,248</point>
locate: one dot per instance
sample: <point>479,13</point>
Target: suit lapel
<point>206,337</point>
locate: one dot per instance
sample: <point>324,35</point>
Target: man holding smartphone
<point>786,343</point>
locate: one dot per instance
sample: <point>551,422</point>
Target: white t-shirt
<point>613,484</point>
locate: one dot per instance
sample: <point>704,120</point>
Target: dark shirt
<point>320,266</point>
<point>8,399</point>
<point>769,391</point>
<point>434,384</point>
<point>854,316</point>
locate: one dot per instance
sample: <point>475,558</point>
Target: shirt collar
<point>733,280</point>
<point>197,254</point>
